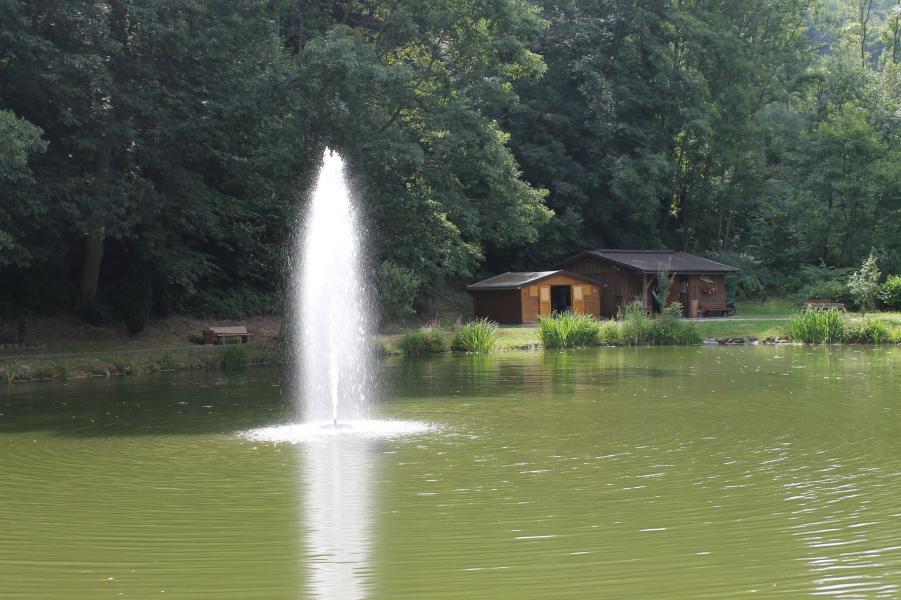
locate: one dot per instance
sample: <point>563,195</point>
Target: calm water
<point>690,472</point>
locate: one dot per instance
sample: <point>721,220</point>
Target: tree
<point>864,283</point>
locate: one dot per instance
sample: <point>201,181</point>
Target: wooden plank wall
<point>530,296</point>
<point>621,286</point>
<point>697,289</point>
<point>502,306</point>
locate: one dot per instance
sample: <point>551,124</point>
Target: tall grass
<point>479,336</point>
<point>666,329</point>
<point>637,328</point>
<point>569,330</point>
<point>868,331</point>
<point>234,358</point>
<point>426,340</point>
<point>812,326</point>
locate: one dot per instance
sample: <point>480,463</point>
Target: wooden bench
<point>823,305</point>
<point>217,335</point>
<point>721,308</point>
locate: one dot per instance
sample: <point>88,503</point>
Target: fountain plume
<point>331,311</point>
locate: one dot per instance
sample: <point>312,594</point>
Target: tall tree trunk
<point>93,249</point>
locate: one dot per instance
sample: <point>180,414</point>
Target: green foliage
<point>138,300</point>
<point>397,288</point>
<point>864,283</point>
<point>664,284</point>
<point>427,340</point>
<point>479,336</point>
<point>668,328</point>
<point>234,358</point>
<point>868,331</point>
<point>235,303</point>
<point>637,326</point>
<point>890,292</point>
<point>569,330</point>
<point>813,326</point>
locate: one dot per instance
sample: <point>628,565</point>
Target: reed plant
<point>479,336</point>
<point>813,326</point>
<point>569,330</point>
<point>234,358</point>
<point>426,340</point>
<point>637,328</point>
<point>670,329</point>
<point>868,331</point>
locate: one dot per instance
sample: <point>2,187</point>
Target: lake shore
<point>65,348</point>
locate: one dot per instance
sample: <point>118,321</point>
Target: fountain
<point>331,313</point>
<point>331,308</point>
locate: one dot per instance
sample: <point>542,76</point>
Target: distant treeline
<point>154,154</point>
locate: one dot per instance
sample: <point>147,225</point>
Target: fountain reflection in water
<point>338,507</point>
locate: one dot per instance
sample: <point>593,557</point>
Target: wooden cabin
<point>522,297</point>
<point>624,276</point>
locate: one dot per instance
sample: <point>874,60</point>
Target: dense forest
<point>154,155</point>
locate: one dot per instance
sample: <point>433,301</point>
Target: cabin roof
<point>516,280</point>
<point>649,261</point>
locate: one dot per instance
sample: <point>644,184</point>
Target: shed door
<point>578,300</point>
<point>544,301</point>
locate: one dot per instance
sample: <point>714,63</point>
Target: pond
<point>650,472</point>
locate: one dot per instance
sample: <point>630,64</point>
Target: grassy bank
<point>66,350</point>
<point>132,362</point>
<point>756,321</point>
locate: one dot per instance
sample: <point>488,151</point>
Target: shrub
<point>611,333</point>
<point>812,326</point>
<point>476,336</point>
<point>637,326</point>
<point>868,331</point>
<point>233,358</point>
<point>864,283</point>
<point>235,303</point>
<point>427,340</point>
<point>397,287</point>
<point>569,330</point>
<point>890,292</point>
<point>834,290</point>
<point>671,329</point>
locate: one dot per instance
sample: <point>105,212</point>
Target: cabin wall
<point>700,289</point>
<point>618,287</point>
<point>530,296</point>
<point>502,306</point>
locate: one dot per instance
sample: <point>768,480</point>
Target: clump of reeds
<point>814,326</point>
<point>569,330</point>
<point>427,340</point>
<point>479,336</point>
<point>636,327</point>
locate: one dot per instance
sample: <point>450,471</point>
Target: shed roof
<point>516,280</point>
<point>648,261</point>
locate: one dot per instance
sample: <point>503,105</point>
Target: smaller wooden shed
<point>522,297</point>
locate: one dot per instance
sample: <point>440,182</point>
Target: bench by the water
<point>823,304</point>
<point>217,335</point>
<point>720,309</point>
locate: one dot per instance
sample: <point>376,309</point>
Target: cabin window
<point>577,292</point>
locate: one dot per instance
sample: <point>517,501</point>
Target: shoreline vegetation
<point>777,321</point>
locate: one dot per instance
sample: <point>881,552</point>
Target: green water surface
<point>706,472</point>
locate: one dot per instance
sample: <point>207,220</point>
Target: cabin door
<point>544,300</point>
<point>578,300</point>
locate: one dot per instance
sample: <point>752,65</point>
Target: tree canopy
<point>154,155</point>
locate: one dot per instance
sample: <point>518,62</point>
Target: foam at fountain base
<point>296,433</point>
